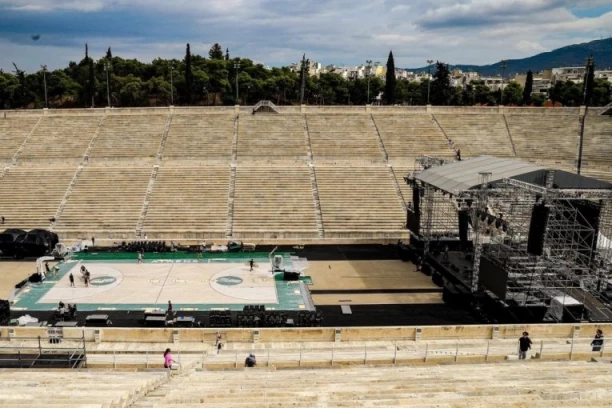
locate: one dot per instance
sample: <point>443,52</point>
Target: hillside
<point>571,55</point>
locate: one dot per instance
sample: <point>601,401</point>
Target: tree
<point>513,94</point>
<point>91,82</point>
<point>528,88</point>
<point>109,54</point>
<point>216,52</point>
<point>188,76</point>
<point>441,85</point>
<point>391,81</point>
<point>602,92</point>
<point>227,56</point>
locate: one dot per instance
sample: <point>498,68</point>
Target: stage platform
<point>215,281</point>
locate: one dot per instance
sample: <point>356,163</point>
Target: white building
<point>574,74</point>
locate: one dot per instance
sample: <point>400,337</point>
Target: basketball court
<point>213,282</point>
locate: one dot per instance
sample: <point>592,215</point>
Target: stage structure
<point>534,236</point>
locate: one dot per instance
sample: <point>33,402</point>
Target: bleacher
<point>188,201</point>
<point>343,137</point>
<point>270,201</point>
<point>105,201</point>
<point>358,199</point>
<point>200,136</point>
<point>597,150</point>
<point>61,138</point>
<point>30,197</point>
<point>535,385</point>
<point>13,132</point>
<point>194,166</point>
<point>129,136</point>
<point>546,139</point>
<point>477,135</point>
<point>271,137</point>
<point>410,136</point>
<point>400,172</point>
<point>82,389</point>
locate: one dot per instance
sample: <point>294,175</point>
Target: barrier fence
<point>396,353</point>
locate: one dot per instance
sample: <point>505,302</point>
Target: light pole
<point>429,62</point>
<point>44,71</point>
<point>107,67</point>
<point>368,71</point>
<point>171,85</point>
<point>503,65</point>
<point>237,67</point>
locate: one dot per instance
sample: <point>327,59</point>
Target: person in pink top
<point>168,359</point>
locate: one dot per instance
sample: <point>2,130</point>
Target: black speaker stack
<point>537,228</point>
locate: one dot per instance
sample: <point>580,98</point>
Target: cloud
<point>278,32</point>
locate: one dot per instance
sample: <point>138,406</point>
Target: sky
<point>278,32</point>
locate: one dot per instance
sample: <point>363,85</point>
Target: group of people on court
<point>85,276</point>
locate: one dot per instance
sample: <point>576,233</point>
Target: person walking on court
<point>139,257</point>
<point>598,341</point>
<point>250,361</point>
<point>524,346</point>
<point>71,278</point>
<point>251,262</point>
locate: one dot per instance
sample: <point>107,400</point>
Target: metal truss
<point>500,223</point>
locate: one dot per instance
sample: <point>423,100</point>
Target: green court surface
<point>194,283</point>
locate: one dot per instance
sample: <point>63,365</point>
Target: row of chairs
<point>144,246</point>
<point>309,319</point>
<point>220,318</point>
<point>264,319</point>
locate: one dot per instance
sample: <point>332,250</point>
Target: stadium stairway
<point>518,384</point>
<point>70,388</point>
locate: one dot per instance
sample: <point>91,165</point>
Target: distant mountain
<point>571,55</point>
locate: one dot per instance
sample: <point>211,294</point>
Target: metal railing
<point>395,353</point>
<point>52,356</point>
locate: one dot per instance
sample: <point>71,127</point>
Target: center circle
<point>103,280</point>
<point>229,280</point>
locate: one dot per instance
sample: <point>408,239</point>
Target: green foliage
<point>441,85</point>
<point>390,82</point>
<point>210,81</point>
<point>216,52</point>
<point>188,76</point>
<point>513,94</point>
<point>528,88</point>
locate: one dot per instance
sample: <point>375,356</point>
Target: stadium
<point>382,241</point>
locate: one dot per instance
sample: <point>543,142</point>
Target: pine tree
<point>86,52</point>
<point>528,88</point>
<point>109,54</point>
<point>188,75</point>
<point>391,81</point>
<point>216,52</point>
<point>441,85</point>
<point>91,82</point>
<point>227,56</point>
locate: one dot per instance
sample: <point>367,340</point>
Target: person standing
<point>251,262</point>
<point>524,345</point>
<point>139,257</point>
<point>71,278</point>
<point>170,310</point>
<point>598,341</point>
<point>168,361</point>
<point>93,241</point>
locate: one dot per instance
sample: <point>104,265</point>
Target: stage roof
<point>464,175</point>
